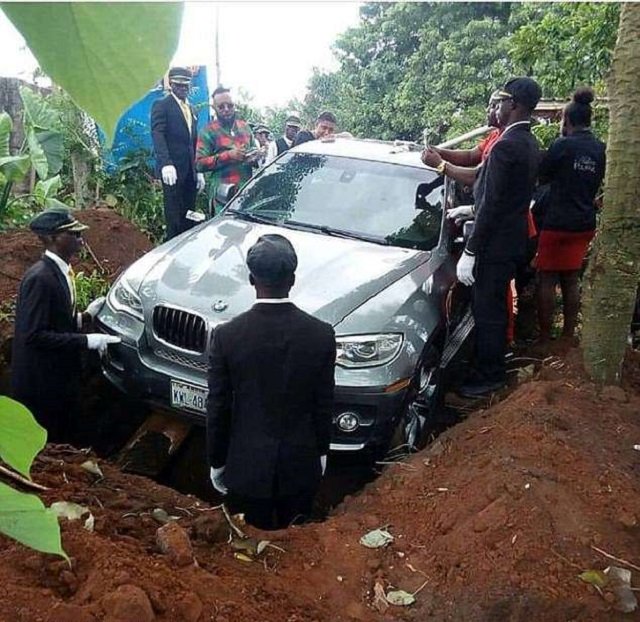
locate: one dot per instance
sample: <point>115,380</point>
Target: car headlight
<point>122,298</point>
<point>367,350</point>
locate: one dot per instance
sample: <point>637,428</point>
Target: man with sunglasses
<point>174,128</point>
<point>226,148</point>
<point>45,363</point>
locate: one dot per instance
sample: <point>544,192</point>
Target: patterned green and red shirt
<point>214,142</point>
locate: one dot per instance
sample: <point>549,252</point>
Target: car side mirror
<point>225,192</point>
<point>424,190</point>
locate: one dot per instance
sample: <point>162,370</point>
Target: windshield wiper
<point>251,217</point>
<point>339,233</point>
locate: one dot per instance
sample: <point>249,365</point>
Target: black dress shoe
<point>480,388</point>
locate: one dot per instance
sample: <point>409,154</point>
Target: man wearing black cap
<point>45,364</point>
<point>270,406</point>
<point>174,129</point>
<point>292,126</point>
<point>502,193</point>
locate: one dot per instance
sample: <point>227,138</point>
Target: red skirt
<point>562,250</point>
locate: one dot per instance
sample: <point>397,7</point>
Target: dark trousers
<point>490,315</point>
<point>57,414</point>
<point>273,513</point>
<point>178,200</point>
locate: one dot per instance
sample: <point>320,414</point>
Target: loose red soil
<point>115,242</point>
<point>496,519</point>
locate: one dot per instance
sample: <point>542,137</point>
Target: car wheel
<point>423,411</point>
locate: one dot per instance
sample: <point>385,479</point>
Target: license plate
<point>190,396</point>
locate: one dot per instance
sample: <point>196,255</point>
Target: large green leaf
<point>14,168</point>
<point>52,144</point>
<point>6,126</point>
<point>38,157</point>
<point>46,188</point>
<point>106,55</point>
<point>37,111</point>
<point>21,436</point>
<point>24,518</point>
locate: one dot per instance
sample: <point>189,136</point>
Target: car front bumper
<point>377,410</point>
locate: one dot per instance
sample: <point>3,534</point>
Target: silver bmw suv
<point>375,260</point>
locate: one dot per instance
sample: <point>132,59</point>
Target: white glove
<point>217,481</point>
<point>99,342</point>
<point>169,175</point>
<point>464,269</point>
<point>200,183</point>
<point>460,213</point>
<point>94,307</point>
<point>323,463</point>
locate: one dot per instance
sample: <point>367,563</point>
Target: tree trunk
<point>614,270</point>
<point>81,168</point>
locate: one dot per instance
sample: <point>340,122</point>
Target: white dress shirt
<point>271,301</point>
<point>65,268</point>
<point>272,152</point>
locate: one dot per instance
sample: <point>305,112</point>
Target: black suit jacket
<point>45,364</point>
<point>172,141</point>
<point>270,406</point>
<point>502,193</point>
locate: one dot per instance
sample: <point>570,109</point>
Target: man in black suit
<point>45,364</point>
<point>174,129</point>
<point>270,406</point>
<point>502,193</point>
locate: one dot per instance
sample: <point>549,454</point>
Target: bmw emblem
<point>219,305</point>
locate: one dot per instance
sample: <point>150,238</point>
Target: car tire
<point>423,411</point>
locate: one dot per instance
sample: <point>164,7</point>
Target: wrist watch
<point>441,168</point>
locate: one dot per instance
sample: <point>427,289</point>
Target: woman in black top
<point>574,166</point>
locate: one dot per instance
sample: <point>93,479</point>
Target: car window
<point>376,199</point>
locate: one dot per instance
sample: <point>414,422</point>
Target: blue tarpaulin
<point>133,131</point>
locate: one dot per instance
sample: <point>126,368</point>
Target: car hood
<point>206,272</point>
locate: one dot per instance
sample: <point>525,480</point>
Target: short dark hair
<point>578,111</point>
<point>327,116</point>
<point>219,91</point>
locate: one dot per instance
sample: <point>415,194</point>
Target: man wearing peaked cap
<point>270,406</point>
<point>174,130</point>
<point>261,132</point>
<point>498,243</point>
<point>45,365</point>
<point>292,126</point>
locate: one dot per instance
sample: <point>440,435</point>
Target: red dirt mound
<point>495,521</point>
<point>114,241</point>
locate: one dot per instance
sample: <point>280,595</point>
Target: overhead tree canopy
<point>411,66</point>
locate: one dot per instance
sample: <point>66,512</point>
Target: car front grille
<point>180,328</point>
<point>174,357</point>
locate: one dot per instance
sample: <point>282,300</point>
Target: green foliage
<point>411,66</point>
<point>565,44</point>
<point>22,438</point>
<point>105,55</point>
<point>134,193</point>
<point>23,516</point>
<point>42,148</point>
<point>546,133</point>
<point>46,189</point>
<point>89,287</point>
<point>38,114</point>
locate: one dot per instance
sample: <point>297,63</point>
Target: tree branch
<point>16,477</point>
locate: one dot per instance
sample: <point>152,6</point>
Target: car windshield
<point>348,197</point>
